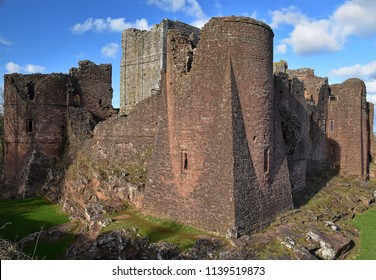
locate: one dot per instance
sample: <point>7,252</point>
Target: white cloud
<point>199,23</point>
<point>281,48</point>
<point>357,70</point>
<point>12,67</point>
<point>190,7</point>
<point>371,87</point>
<point>290,16</point>
<point>366,72</point>
<point>108,24</point>
<point>110,50</point>
<point>309,36</point>
<point>4,41</point>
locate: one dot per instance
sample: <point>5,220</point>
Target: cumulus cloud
<point>365,71</point>
<point>281,48</point>
<point>12,67</point>
<point>110,50</point>
<point>290,16</point>
<point>357,70</point>
<point>4,41</point>
<point>190,7</point>
<point>309,36</point>
<point>199,23</point>
<point>109,25</point>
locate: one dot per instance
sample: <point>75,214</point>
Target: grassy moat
<point>20,218</point>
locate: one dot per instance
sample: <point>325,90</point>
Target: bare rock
<point>331,246</point>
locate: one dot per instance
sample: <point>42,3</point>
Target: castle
<point>225,136</point>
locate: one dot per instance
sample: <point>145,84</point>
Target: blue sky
<point>337,38</point>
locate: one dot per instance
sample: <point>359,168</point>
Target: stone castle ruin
<point>224,136</point>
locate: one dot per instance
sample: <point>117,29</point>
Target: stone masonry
<point>35,116</point>
<point>143,59</point>
<point>349,129</point>
<point>219,136</point>
<point>218,160</point>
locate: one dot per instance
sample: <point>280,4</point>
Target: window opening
<point>184,161</point>
<point>331,124</point>
<point>31,92</point>
<point>29,125</point>
<point>266,160</point>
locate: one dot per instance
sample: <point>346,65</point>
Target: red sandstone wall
<point>292,105</point>
<point>129,140</point>
<point>45,110</point>
<point>93,85</point>
<point>216,161</point>
<point>348,133</point>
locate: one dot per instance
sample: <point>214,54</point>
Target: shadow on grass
<point>314,183</point>
<point>20,218</point>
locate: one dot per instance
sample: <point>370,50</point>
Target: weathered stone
<point>332,246</point>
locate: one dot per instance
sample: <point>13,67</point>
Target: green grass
<point>158,229</point>
<point>28,216</point>
<point>20,218</point>
<point>49,250</point>
<point>366,224</point>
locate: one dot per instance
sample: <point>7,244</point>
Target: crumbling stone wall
<point>129,139</point>
<point>349,128</point>
<point>316,92</point>
<point>218,161</point>
<point>292,107</point>
<point>143,59</point>
<point>93,88</point>
<point>35,116</point>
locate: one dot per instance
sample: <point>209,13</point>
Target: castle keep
<point>224,136</point>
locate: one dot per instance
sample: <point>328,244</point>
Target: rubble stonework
<point>143,59</point>
<point>349,128</point>
<point>35,115</point>
<point>211,132</point>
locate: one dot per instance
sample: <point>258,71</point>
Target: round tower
<point>247,44</point>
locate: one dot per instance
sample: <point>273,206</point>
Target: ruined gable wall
<point>92,83</point>
<point>348,131</point>
<point>34,118</point>
<point>316,92</point>
<point>215,164</point>
<point>143,59</point>
<point>292,106</point>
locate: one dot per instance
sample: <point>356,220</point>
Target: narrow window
<point>190,61</point>
<point>184,161</point>
<point>266,160</point>
<point>31,92</point>
<point>76,100</point>
<point>290,86</point>
<point>100,102</point>
<point>331,124</point>
<point>29,125</point>
<point>6,148</point>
